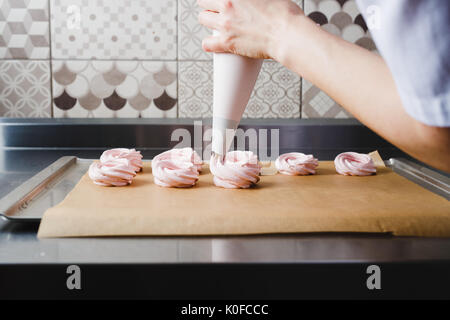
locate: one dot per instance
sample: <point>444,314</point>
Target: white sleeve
<point>413,36</point>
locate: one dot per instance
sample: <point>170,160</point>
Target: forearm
<point>361,82</point>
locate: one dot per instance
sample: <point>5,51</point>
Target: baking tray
<point>29,201</point>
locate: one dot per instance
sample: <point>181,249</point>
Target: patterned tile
<point>25,89</point>
<point>110,89</point>
<point>276,94</point>
<point>195,89</point>
<point>114,29</point>
<point>342,18</point>
<point>191,33</point>
<point>24,29</point>
<point>317,104</point>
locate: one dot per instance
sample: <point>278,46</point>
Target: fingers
<point>213,44</point>
<point>209,19</point>
<point>211,5</point>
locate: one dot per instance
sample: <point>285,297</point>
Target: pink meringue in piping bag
<point>354,164</point>
<point>176,168</point>
<point>239,170</point>
<point>135,157</point>
<point>114,173</point>
<point>296,164</point>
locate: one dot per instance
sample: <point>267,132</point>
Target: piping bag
<point>234,79</point>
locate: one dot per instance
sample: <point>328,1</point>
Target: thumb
<point>213,44</point>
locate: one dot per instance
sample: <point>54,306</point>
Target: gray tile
<point>114,29</point>
<point>195,89</point>
<point>190,32</point>
<point>317,104</point>
<point>25,89</point>
<point>276,93</point>
<point>115,89</point>
<point>24,29</point>
<point>341,18</point>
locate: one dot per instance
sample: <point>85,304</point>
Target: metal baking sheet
<point>29,201</point>
<point>427,178</point>
<point>49,187</point>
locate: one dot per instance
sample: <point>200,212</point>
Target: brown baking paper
<point>326,202</point>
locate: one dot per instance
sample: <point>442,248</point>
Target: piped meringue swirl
<point>240,169</point>
<point>354,164</point>
<point>188,155</point>
<point>117,173</point>
<point>176,169</point>
<point>296,164</point>
<point>135,157</point>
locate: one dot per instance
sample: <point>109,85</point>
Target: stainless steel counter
<point>19,244</point>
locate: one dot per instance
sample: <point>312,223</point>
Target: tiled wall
<point>141,58</point>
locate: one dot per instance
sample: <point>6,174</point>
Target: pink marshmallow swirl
<point>354,164</point>
<point>135,157</point>
<point>188,155</point>
<point>117,173</point>
<point>296,164</point>
<point>175,169</point>
<point>240,169</point>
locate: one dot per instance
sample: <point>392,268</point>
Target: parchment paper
<point>326,202</point>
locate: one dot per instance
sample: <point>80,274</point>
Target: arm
<point>334,65</point>
<point>338,67</point>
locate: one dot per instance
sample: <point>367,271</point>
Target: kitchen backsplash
<point>141,58</point>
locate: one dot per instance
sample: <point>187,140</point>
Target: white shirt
<point>413,36</point>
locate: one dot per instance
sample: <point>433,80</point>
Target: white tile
<point>18,22</point>
<point>114,29</point>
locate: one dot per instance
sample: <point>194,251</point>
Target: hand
<point>251,28</point>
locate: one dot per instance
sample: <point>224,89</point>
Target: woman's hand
<point>252,28</point>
